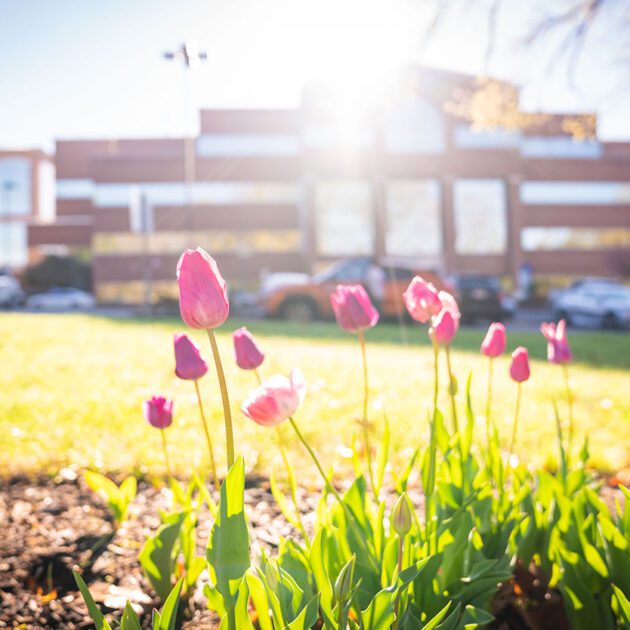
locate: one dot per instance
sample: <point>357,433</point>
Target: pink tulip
<point>158,411</point>
<point>353,308</point>
<point>448,302</point>
<point>519,369</point>
<point>189,364</point>
<point>276,399</point>
<point>494,343</point>
<point>248,354</point>
<point>203,301</point>
<point>444,327</point>
<point>558,350</point>
<point>422,300</point>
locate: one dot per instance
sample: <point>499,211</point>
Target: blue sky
<point>93,68</point>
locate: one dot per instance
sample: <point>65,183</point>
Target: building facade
<point>289,190</point>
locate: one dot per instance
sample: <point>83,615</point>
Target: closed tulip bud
<point>272,575</point>
<point>519,369</point>
<point>158,411</point>
<point>189,364</point>
<point>495,341</point>
<point>343,583</point>
<point>401,515</point>
<point>422,300</point>
<point>248,354</point>
<point>444,327</point>
<point>203,301</point>
<point>353,308</point>
<point>276,399</point>
<point>558,350</point>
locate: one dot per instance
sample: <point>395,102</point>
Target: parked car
<point>11,294</point>
<point>301,297</point>
<point>61,299</point>
<point>481,297</point>
<point>597,302</point>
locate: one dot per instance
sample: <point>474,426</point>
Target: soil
<point>51,527</point>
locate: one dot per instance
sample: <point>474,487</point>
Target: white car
<point>594,303</point>
<point>11,294</point>
<point>61,299</point>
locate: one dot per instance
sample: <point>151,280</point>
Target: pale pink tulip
<point>158,411</point>
<point>353,308</point>
<point>189,364</point>
<point>248,354</point>
<point>203,301</point>
<point>422,300</point>
<point>276,399</point>
<point>519,369</point>
<point>444,327</point>
<point>558,350</point>
<point>495,341</point>
<point>450,303</point>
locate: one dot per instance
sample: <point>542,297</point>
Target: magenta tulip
<point>444,327</point>
<point>158,411</point>
<point>353,308</point>
<point>519,369</point>
<point>248,354</point>
<point>203,301</point>
<point>189,364</point>
<point>558,350</point>
<point>276,399</point>
<point>495,341</point>
<point>422,300</point>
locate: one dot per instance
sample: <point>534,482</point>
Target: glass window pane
<point>15,186</point>
<point>13,247</point>
<point>558,238</point>
<point>575,192</point>
<point>480,216</point>
<point>413,218</point>
<point>345,225</point>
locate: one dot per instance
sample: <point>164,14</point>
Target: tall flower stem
<point>366,432</point>
<point>451,390</point>
<point>316,461</point>
<point>567,386</point>
<point>166,458</point>
<point>227,414</point>
<point>432,442</point>
<point>401,546</point>
<point>514,428</point>
<point>213,466</point>
<point>489,399</point>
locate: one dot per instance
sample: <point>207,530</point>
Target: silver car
<point>61,299</point>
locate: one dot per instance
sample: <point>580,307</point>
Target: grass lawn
<point>72,388</point>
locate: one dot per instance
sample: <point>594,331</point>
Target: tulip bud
<point>444,327</point>
<point>158,412</point>
<point>189,364</point>
<point>558,350</point>
<point>519,369</point>
<point>343,583</point>
<point>248,354</point>
<point>495,341</point>
<point>272,575</point>
<point>203,301</point>
<point>401,515</point>
<point>353,308</point>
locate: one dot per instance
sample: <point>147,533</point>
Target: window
<point>468,138</point>
<point>480,216</point>
<point>244,144</point>
<point>560,147</point>
<point>15,186</point>
<point>414,127</point>
<point>13,246</point>
<point>345,225</point>
<point>75,188</point>
<point>570,238</point>
<point>578,193</point>
<point>413,218</point>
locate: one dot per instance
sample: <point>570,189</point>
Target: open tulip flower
<point>558,350</point>
<point>422,300</point>
<point>246,351</point>
<point>353,308</point>
<point>276,399</point>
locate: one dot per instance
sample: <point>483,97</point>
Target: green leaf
<point>380,613</point>
<point>228,547</point>
<point>129,619</point>
<point>624,605</point>
<point>307,617</point>
<point>97,616</point>
<point>383,457</point>
<point>168,615</point>
<point>436,619</point>
<point>259,598</point>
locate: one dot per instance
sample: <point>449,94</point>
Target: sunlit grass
<point>72,388</point>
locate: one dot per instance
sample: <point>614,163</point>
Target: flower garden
<point>455,533</point>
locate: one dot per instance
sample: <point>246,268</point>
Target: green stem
<point>316,461</point>
<point>231,615</point>
<point>489,399</point>
<point>166,459</point>
<point>257,375</point>
<point>213,466</point>
<point>432,444</point>
<point>565,370</point>
<point>401,542</point>
<point>515,426</point>
<point>366,433</point>
<point>451,390</point>
<point>227,414</point>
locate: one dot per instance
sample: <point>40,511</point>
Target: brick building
<point>280,190</point>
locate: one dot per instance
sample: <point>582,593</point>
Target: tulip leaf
<point>129,619</point>
<point>97,616</point>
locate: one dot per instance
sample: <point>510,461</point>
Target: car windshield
<point>343,270</point>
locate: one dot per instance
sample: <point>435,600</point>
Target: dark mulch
<point>53,526</point>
